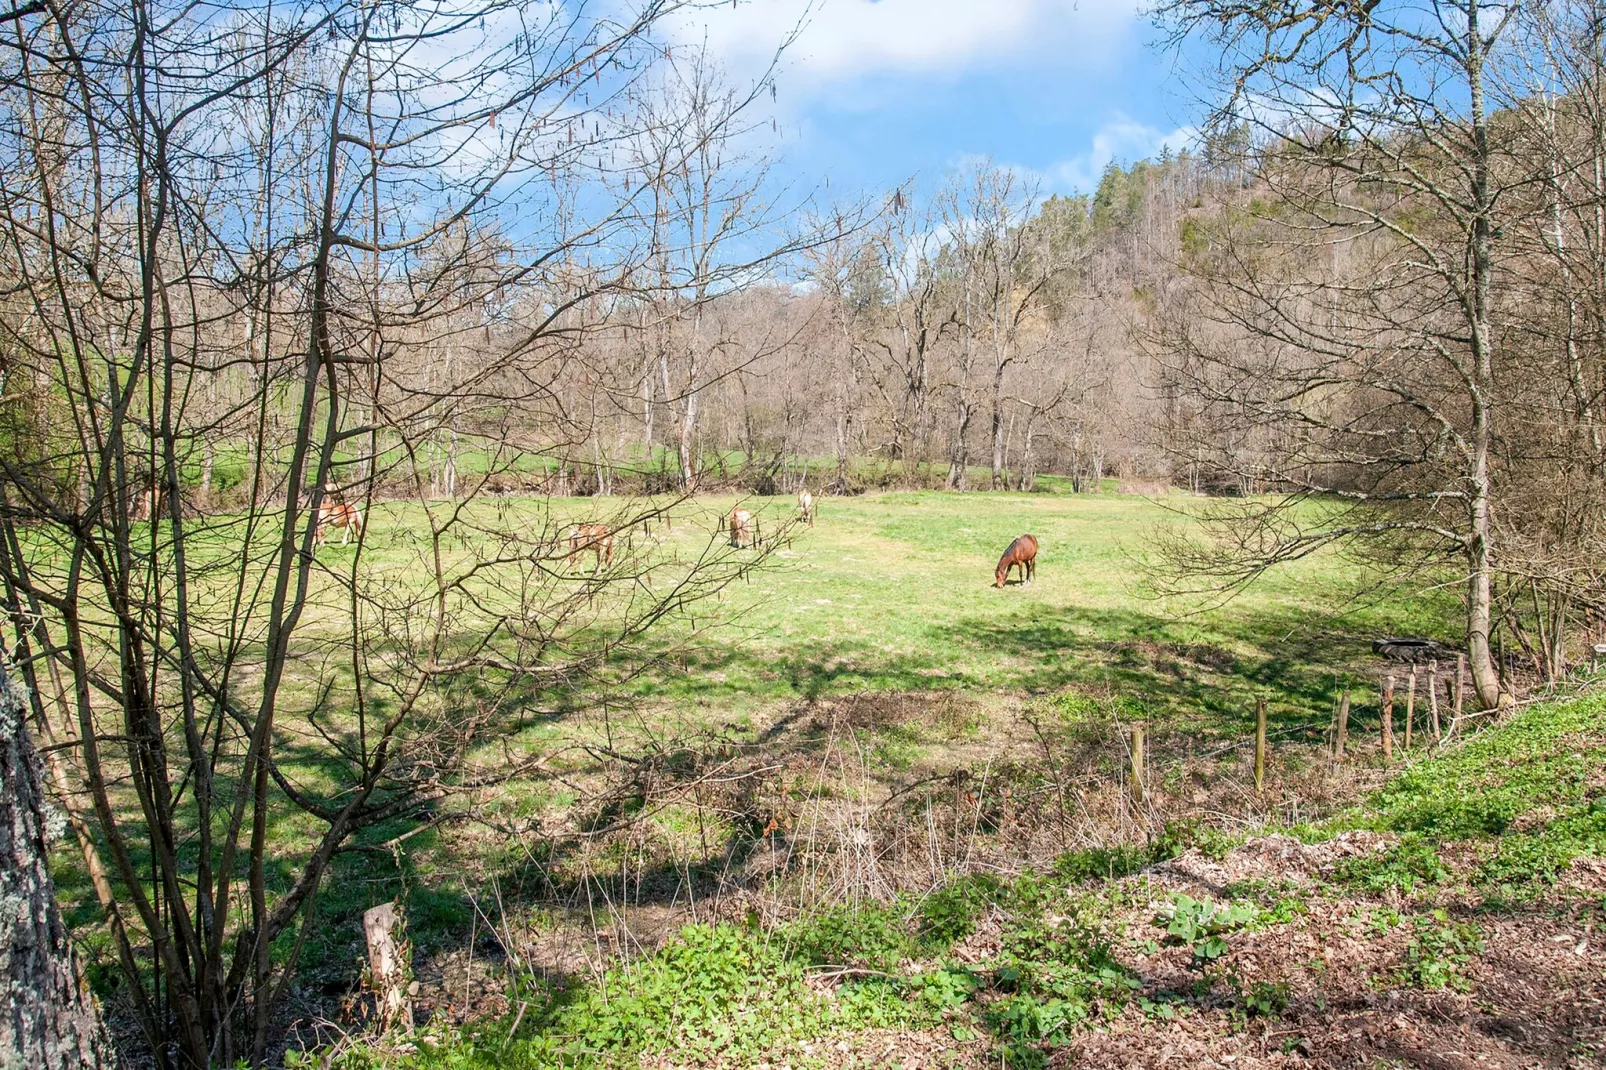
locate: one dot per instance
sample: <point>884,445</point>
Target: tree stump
<point>388,972</point>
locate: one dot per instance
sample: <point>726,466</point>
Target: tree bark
<point>49,1017</point>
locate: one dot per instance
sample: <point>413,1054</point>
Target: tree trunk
<point>49,1018</point>
<point>998,425</point>
<point>998,449</point>
<point>959,455</point>
<point>842,481</point>
<point>687,443</point>
<point>1485,678</point>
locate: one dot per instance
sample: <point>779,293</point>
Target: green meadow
<point>894,592</point>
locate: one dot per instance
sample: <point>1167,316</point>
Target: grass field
<point>892,595</point>
<point>894,592</point>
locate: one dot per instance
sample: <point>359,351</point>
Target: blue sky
<point>874,91</point>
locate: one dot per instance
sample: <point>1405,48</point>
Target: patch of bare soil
<point>1269,858</point>
<point>939,710</point>
<point>1536,997</point>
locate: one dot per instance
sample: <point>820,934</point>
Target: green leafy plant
<point>1054,973</point>
<point>1103,863</point>
<point>1201,924</point>
<point>1277,902</point>
<point>1438,951</point>
<point>947,988</point>
<point>865,937</point>
<point>1526,862</point>
<point>1383,921</point>
<point>950,913</point>
<point>1262,999</point>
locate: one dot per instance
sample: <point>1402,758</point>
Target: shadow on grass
<point>1298,659</point>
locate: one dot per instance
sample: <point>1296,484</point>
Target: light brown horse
<point>741,525</point>
<point>594,537</point>
<point>337,514</point>
<point>1022,552</point>
<point>805,505</point>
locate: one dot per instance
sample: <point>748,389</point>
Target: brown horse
<point>741,525</point>
<point>594,537</point>
<point>1022,552</point>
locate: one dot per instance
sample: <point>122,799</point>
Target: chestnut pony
<point>1022,552</point>
<point>334,514</point>
<point>594,537</point>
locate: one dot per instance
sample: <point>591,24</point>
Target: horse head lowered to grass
<point>1022,553</point>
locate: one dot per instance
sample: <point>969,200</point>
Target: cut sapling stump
<point>388,972</point>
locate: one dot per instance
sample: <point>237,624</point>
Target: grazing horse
<point>594,537</point>
<point>337,514</point>
<point>741,525</point>
<point>1022,552</point>
<point>805,505</point>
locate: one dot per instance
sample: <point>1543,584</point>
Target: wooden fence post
<point>1137,764</point>
<point>1410,706</point>
<point>1460,672</point>
<point>1388,719</point>
<point>1433,698</point>
<point>1260,745</point>
<point>1343,728</point>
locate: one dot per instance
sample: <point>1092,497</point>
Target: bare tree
<point>710,228</point>
<point>1355,320</point>
<point>919,318</point>
<point>985,212</point>
<point>373,238</point>
<point>1551,497</point>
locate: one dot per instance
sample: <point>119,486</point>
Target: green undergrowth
<point>1529,796</point>
<point>745,992</point>
<point>1015,966</point>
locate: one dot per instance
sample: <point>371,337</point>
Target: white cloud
<point>1122,140</point>
<point>843,40</point>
